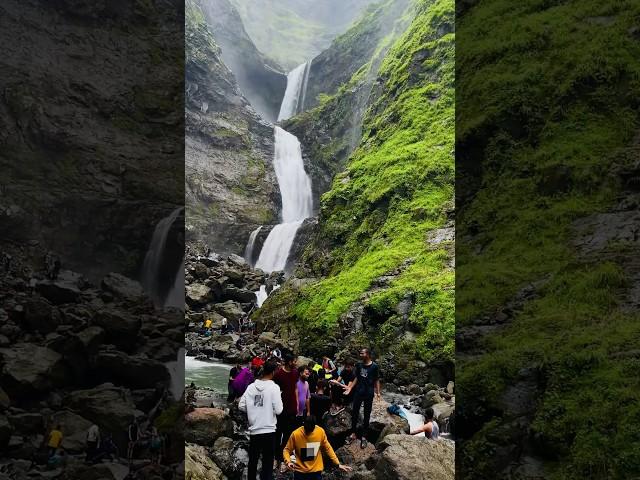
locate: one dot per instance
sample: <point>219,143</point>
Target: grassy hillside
<point>376,245</point>
<point>548,109</point>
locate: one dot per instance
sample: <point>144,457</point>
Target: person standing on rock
<point>242,381</point>
<point>55,440</point>
<point>308,443</point>
<point>320,402</point>
<point>365,385</point>
<point>133,433</point>
<point>430,428</point>
<point>262,402</point>
<point>233,373</point>
<point>93,442</point>
<point>286,378</point>
<point>304,394</point>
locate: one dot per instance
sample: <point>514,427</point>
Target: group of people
<point>244,325</point>
<point>286,406</point>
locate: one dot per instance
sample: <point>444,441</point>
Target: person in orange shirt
<point>308,443</point>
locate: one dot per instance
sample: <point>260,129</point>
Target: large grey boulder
<point>198,465</point>
<point>29,368</point>
<point>123,287</point>
<point>406,457</point>
<point>204,425</point>
<point>198,294</point>
<point>130,371</point>
<point>121,328</point>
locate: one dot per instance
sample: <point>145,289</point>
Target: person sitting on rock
<point>308,443</point>
<point>430,428</point>
<point>93,442</point>
<point>58,459</point>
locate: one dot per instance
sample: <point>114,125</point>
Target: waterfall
<point>297,201</point>
<point>176,371</point>
<point>248,250</point>
<point>159,266</point>
<point>296,85</point>
<point>293,181</point>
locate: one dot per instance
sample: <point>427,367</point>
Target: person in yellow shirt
<point>207,323</point>
<point>54,440</point>
<point>308,443</point>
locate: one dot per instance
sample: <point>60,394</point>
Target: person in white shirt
<point>262,402</point>
<point>93,442</point>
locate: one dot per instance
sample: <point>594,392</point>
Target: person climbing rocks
<point>365,386</point>
<point>304,394</point>
<point>54,440</point>
<point>320,402</point>
<point>430,428</point>
<point>133,432</point>
<point>286,377</point>
<point>308,443</point>
<point>262,402</point>
<point>329,367</point>
<point>233,373</point>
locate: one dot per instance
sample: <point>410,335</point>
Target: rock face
<point>231,187</point>
<point>406,457</point>
<point>205,425</point>
<point>29,368</point>
<point>261,81</point>
<point>72,106</point>
<point>198,465</point>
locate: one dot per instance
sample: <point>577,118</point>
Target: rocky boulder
<point>6,430</point>
<point>198,294</point>
<point>205,425</point>
<point>132,371</point>
<point>230,309</point>
<point>110,407</point>
<point>64,289</point>
<point>382,420</point>
<point>223,454</point>
<point>121,328</point>
<point>406,457</point>
<point>74,428</point>
<point>338,426</point>
<point>123,288</point>
<point>29,368</point>
<point>198,465</point>
<point>239,295</point>
<point>40,315</point>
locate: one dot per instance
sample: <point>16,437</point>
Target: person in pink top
<point>304,395</point>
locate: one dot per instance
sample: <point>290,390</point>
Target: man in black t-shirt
<point>365,385</point>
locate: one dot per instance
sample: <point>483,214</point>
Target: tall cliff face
<point>547,324</point>
<point>379,266</point>
<point>62,188</point>
<point>261,81</point>
<point>294,31</point>
<point>230,184</point>
<point>341,88</point>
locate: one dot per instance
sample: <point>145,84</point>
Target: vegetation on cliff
<point>548,111</point>
<point>377,244</point>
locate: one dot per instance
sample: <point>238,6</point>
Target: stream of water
<point>293,181</point>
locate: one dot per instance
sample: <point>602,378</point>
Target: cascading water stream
<point>156,262</point>
<point>294,183</point>
<point>248,251</point>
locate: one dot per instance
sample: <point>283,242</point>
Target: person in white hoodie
<point>262,402</point>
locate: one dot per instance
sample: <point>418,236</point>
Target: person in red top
<point>286,378</point>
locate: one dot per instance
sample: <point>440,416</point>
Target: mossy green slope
<point>379,216</point>
<point>547,106</point>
